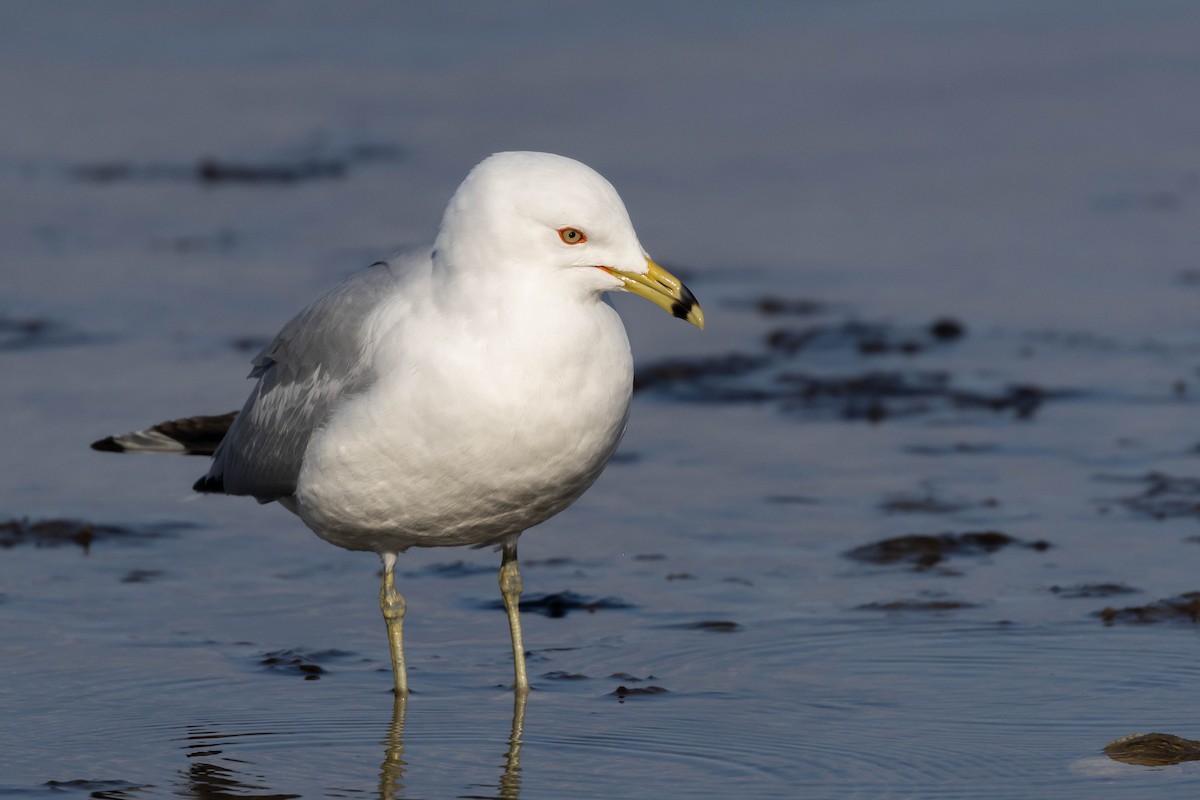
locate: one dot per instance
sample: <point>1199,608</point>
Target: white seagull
<point>457,396</point>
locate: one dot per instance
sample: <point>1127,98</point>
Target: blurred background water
<point>863,531</point>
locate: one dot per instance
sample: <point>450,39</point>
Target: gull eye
<point>572,235</point>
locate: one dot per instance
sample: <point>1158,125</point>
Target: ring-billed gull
<point>457,396</point>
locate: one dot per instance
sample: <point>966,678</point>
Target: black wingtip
<point>209,485</point>
<point>108,445</point>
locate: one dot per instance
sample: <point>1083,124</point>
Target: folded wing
<point>317,360</point>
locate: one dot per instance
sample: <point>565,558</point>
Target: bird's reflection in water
<point>207,780</point>
<point>391,771</point>
<point>212,773</point>
<point>510,778</point>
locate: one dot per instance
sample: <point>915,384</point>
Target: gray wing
<point>316,361</point>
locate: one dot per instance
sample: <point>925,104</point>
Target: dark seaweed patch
<point>1153,749</point>
<point>64,532</point>
<point>1093,590</point>
<point>323,164</point>
<point>917,605</point>
<point>1163,496</point>
<point>772,306</point>
<point>958,448</point>
<point>677,372</point>
<point>947,329</point>
<point>213,170</point>
<point>930,504</point>
<point>1184,608</point>
<point>865,338</point>
<point>100,790</point>
<point>558,604</point>
<point>27,333</point>
<point>141,576</point>
<point>921,552</point>
<point>249,344</point>
<point>877,396</point>
<point>872,396</point>
<point>297,662</point>
<point>833,381</point>
<point>621,692</point>
<point>553,561</point>
<point>451,569</point>
<point>711,626</point>
<point>1166,198</point>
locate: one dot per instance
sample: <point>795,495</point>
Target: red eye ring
<point>571,235</point>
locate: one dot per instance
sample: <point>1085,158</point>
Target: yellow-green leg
<point>393,607</point>
<point>510,590</point>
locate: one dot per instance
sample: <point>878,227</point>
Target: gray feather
<point>315,362</point>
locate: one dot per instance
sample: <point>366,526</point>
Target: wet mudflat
<point>917,515</point>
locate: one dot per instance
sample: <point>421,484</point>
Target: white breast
<point>468,451</point>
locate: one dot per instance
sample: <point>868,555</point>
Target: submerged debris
<point>326,164</point>
<point>558,604</point>
<point>99,789</point>
<point>141,575</point>
<point>947,329</point>
<point>780,306</point>
<point>1184,608</point>
<point>711,626</point>
<point>1164,496</point>
<point>917,605</point>
<point>676,373</point>
<point>451,569</point>
<point>877,396</point>
<point>930,504</point>
<point>1153,749</point>
<point>864,338</point>
<point>26,333</point>
<point>60,532</point>
<point>956,449</point>
<point>1093,590</point>
<point>924,551</point>
<point>296,662</point>
<point>834,381</point>
<point>249,343</point>
<point>872,396</point>
<point>621,692</point>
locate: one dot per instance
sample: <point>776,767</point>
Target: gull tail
<point>192,436</point>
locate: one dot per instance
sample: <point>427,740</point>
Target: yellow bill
<point>664,290</point>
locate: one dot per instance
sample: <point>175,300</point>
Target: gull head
<point>522,215</point>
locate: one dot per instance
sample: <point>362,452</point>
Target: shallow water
<point>177,183</point>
